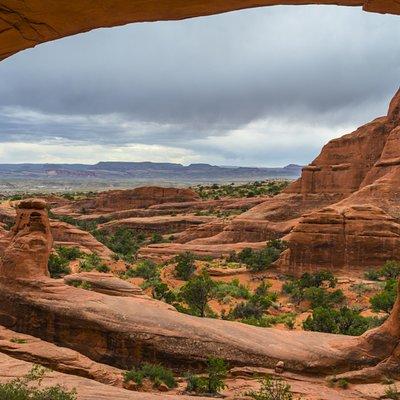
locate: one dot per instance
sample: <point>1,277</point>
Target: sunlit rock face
<point>25,24</point>
<point>363,229</point>
<point>30,245</point>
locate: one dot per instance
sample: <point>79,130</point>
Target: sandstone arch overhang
<point>25,24</point>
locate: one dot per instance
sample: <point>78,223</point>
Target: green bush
<point>345,321</point>
<point>233,288</point>
<point>372,275</point>
<point>213,382</point>
<point>384,301</point>
<point>272,389</point>
<point>145,269</point>
<point>69,253</point>
<point>197,292</point>
<point>390,270</point>
<point>92,261</point>
<point>156,373</point>
<point>309,285</point>
<point>27,388</point>
<point>260,260</point>
<point>185,266</point>
<point>122,242</point>
<point>58,266</point>
<point>320,297</point>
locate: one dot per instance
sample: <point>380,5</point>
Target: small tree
<point>197,292</point>
<point>185,266</point>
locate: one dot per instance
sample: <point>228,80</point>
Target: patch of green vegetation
<point>272,389</point>
<point>384,301</point>
<point>360,289</point>
<point>18,340</point>
<point>233,289</point>
<point>122,242</point>
<point>345,321</point>
<point>29,388</point>
<point>92,262</point>
<point>185,265</point>
<point>298,289</point>
<point>320,297</point>
<point>259,260</point>
<point>81,285</point>
<point>197,292</point>
<point>213,382</point>
<point>58,263</point>
<point>145,269</point>
<point>266,321</point>
<point>156,373</point>
<point>251,189</point>
<point>390,270</point>
<point>256,305</point>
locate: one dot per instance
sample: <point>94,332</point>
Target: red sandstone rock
<point>118,200</point>
<point>31,243</point>
<point>105,283</point>
<point>26,24</point>
<point>68,235</point>
<point>162,224</point>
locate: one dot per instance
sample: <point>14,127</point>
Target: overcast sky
<point>261,87</point>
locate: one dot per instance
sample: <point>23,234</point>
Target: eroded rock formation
<point>28,23</point>
<point>124,330</point>
<point>27,255</point>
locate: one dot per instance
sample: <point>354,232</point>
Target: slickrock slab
<point>105,283</point>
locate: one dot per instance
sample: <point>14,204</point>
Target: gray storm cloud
<point>302,73</point>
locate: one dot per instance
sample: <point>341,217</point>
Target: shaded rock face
<point>28,23</point>
<point>31,242</point>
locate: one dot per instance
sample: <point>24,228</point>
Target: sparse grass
<point>272,389</point>
<point>18,340</point>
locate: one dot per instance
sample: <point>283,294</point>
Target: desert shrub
<point>372,275</point>
<point>233,289</point>
<point>185,266</point>
<point>320,297</point>
<point>343,383</point>
<point>345,321</point>
<point>92,261</point>
<point>390,270</point>
<point>248,309</point>
<point>385,300</point>
<point>360,288</point>
<point>69,253</point>
<point>156,373</point>
<point>266,321</point>
<point>307,284</point>
<point>213,382</point>
<point>272,389</point>
<point>58,266</point>
<point>197,292</point>
<point>28,388</point>
<point>161,291</point>
<point>156,238</point>
<point>260,260</point>
<point>123,242</point>
<point>145,269</point>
